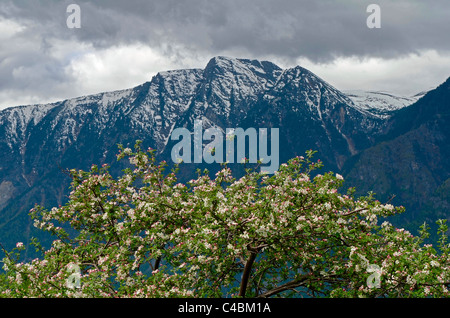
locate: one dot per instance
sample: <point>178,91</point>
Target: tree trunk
<point>246,273</point>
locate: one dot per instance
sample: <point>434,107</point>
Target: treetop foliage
<point>144,234</point>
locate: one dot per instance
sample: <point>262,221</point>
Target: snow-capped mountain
<point>37,142</point>
<point>223,93</point>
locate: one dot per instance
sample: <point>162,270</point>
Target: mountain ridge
<point>411,159</point>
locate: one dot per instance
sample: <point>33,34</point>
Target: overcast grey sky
<point>122,44</point>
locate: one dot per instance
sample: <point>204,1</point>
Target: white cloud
<point>117,67</point>
<point>9,28</point>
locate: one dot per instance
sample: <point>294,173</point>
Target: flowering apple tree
<point>290,234</point>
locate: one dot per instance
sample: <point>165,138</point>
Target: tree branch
<point>290,285</point>
<point>354,211</point>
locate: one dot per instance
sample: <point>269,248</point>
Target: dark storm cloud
<point>318,30</point>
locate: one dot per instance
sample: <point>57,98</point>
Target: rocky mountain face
<point>411,158</point>
<point>37,142</point>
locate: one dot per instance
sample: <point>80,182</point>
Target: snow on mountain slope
<point>305,87</point>
<point>380,103</point>
<point>230,86</point>
<point>163,101</point>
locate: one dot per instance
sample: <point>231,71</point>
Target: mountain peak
<point>222,60</point>
<point>221,64</point>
